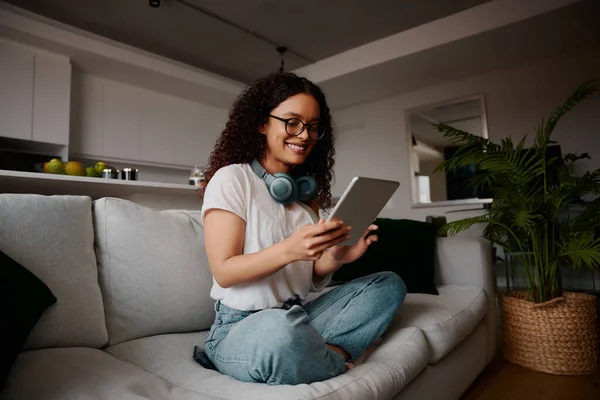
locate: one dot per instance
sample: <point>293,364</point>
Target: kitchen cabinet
<point>51,100</point>
<point>16,91</point>
<point>187,123</point>
<point>121,124</point>
<point>87,115</point>
<point>35,90</point>
<point>158,138</point>
<point>197,128</point>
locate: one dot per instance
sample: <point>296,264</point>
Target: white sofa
<point>132,287</point>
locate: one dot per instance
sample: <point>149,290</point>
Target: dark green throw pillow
<point>23,298</point>
<point>404,246</point>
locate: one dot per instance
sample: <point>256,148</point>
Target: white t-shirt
<point>236,188</point>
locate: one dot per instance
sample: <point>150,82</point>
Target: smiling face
<point>284,151</point>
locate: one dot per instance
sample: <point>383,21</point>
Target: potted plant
<point>545,328</point>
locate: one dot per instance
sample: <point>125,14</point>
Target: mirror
<point>428,148</point>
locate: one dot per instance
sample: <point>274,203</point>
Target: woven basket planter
<point>559,337</point>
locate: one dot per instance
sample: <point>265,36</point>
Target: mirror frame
<point>411,171</point>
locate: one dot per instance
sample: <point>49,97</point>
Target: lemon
<point>100,165</point>
<point>91,171</point>
<point>75,168</point>
<point>54,166</point>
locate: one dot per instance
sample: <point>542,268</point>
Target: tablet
<point>361,203</point>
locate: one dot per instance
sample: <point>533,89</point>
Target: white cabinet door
<point>157,140</point>
<point>213,122</point>
<point>87,115</point>
<point>197,129</point>
<point>16,91</point>
<point>51,100</point>
<point>126,123</point>
<point>122,121</point>
<point>188,123</point>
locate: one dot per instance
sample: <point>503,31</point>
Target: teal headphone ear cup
<point>283,188</point>
<point>307,188</point>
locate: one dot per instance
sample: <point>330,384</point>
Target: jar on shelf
<point>197,179</point>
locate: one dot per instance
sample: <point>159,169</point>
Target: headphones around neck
<point>284,188</point>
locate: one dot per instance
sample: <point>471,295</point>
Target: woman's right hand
<point>309,241</point>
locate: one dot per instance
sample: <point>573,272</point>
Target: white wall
<point>371,139</point>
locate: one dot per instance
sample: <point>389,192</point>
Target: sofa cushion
<point>54,238</point>
<point>153,270</point>
<point>446,319</point>
<point>23,299</point>
<point>396,361</point>
<point>83,373</point>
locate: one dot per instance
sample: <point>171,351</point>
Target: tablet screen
<point>361,203</point>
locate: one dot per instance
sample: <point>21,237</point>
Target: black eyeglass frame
<point>320,131</point>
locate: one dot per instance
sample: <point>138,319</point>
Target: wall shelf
<point>49,184</point>
<point>451,203</point>
<point>87,158</point>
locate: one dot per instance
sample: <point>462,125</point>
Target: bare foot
<point>340,351</point>
<point>362,357</point>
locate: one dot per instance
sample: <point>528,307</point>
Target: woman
<point>267,248</point>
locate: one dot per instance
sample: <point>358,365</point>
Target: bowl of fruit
<point>73,168</point>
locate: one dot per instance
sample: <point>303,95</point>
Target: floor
<point>505,381</point>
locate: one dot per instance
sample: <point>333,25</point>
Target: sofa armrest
<point>464,262</point>
<point>469,262</point>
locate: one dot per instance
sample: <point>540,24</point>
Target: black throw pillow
<point>23,300</point>
<point>404,246</point>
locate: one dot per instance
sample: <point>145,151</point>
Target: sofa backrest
<point>153,270</point>
<point>52,236</point>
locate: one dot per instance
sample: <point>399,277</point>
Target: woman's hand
<point>347,254</point>
<point>337,256</point>
<point>309,241</point>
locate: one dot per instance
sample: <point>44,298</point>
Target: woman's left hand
<point>347,254</point>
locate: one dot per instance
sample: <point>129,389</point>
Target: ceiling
<point>563,31</point>
<point>354,67</point>
<point>238,38</point>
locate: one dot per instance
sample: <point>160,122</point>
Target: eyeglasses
<point>295,126</point>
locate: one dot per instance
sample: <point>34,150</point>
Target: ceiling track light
<point>154,3</point>
<point>281,50</point>
<point>241,28</point>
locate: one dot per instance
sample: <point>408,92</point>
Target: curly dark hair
<point>241,142</point>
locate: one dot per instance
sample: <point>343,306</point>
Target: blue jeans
<point>278,346</point>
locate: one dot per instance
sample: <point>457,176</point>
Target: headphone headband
<point>258,169</point>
